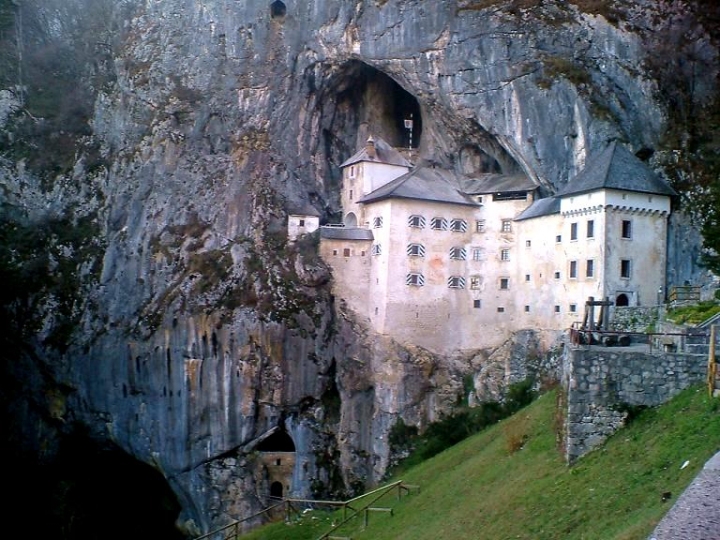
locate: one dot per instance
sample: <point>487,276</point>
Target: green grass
<point>487,488</point>
<point>694,314</point>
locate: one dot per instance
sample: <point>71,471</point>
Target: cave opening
<point>95,490</point>
<point>279,441</point>
<point>277,9</point>
<point>367,102</point>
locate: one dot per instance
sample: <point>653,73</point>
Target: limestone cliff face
<point>205,329</point>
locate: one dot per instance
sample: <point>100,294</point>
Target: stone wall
<point>633,318</point>
<point>603,385</point>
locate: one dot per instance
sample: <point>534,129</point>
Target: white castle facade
<point>453,263</point>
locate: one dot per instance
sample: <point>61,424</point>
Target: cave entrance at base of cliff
<point>372,103</point>
<point>277,459</point>
<point>95,489</point>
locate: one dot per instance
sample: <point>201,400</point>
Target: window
<point>590,268</point>
<point>346,252</point>
<point>456,282</point>
<point>438,223</point>
<point>335,252</point>
<point>528,243</point>
<point>417,222</point>
<point>301,223</point>
<point>591,228</point>
<point>506,225</point>
<point>480,225</point>
<point>475,282</point>
<point>416,250</point>
<point>527,277</point>
<point>352,171</point>
<point>558,238</point>
<point>477,304</point>
<point>557,309</point>
<point>504,254</point>
<point>626,228</point>
<point>504,283</point>
<point>416,280</point>
<point>527,309</point>
<point>458,253</point>
<point>501,310</point>
<point>557,275</point>
<point>376,249</point>
<point>351,194</point>
<point>458,225</point>
<point>625,268</point>
<point>573,231</point>
<point>573,270</point>
<point>478,254</point>
<point>573,308</point>
<point>377,222</point>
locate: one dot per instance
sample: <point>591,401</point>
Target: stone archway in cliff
<point>277,459</point>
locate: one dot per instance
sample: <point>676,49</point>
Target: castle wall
<point>601,384</point>
<point>350,264</point>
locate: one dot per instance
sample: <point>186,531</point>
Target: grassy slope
<point>479,489</point>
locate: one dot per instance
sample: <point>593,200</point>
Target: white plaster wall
<point>311,224</point>
<point>604,197</point>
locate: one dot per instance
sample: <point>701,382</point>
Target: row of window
<point>457,253</point>
<point>416,279</point>
<point>625,230</point>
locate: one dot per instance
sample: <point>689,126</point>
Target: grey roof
<point>384,154</point>
<point>617,168</point>
<point>346,233</point>
<point>541,207</point>
<point>497,183</point>
<point>423,183</point>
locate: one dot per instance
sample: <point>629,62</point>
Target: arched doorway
<point>350,220</point>
<point>276,490</point>
<point>622,300</point>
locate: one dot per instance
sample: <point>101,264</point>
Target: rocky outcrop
<point>204,328</point>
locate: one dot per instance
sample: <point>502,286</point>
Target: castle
<point>452,263</point>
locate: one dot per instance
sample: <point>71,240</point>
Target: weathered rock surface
<point>204,328</point>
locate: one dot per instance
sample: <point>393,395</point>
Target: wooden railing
<point>350,509</point>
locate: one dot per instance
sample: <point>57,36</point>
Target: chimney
<point>370,147</point>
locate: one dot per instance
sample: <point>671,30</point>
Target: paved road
<point>696,514</point>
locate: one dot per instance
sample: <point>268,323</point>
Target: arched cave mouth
<point>279,441</point>
<point>365,101</point>
<point>94,490</point>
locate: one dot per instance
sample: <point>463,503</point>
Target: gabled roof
<point>384,153</point>
<point>497,183</point>
<point>541,207</point>
<point>423,183</point>
<point>617,168</point>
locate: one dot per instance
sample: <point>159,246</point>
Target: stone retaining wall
<point>603,384</point>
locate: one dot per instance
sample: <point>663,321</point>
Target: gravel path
<point>696,514</point>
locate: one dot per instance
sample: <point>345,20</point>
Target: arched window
<point>276,490</point>
<point>278,9</point>
<point>350,220</point>
<point>622,300</point>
